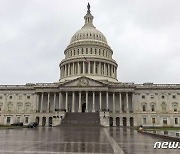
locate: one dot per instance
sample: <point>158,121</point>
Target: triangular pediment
<point>83,82</point>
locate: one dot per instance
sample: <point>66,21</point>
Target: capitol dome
<point>88,54</point>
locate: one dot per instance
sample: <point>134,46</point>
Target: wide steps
<point>81,119</point>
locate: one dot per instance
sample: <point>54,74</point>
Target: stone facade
<point>88,83</point>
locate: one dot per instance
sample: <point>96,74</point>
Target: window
<point>175,105</point>
<point>143,96</point>
<point>28,97</point>
<point>144,120</point>
<point>176,121</point>
<point>164,121</point>
<point>153,120</point>
<point>152,107</point>
<point>95,52</point>
<point>152,96</point>
<point>20,97</point>
<point>8,120</point>
<point>162,97</point>
<point>86,50</point>
<point>164,107</point>
<point>26,119</point>
<point>174,96</point>
<point>10,97</point>
<point>144,107</point>
<point>1,97</point>
<point>18,119</point>
<point>10,105</point>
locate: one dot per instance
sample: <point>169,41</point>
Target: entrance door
<point>50,121</point>
<point>84,107</point>
<point>131,121</point>
<point>117,121</point>
<point>44,121</point>
<point>110,121</point>
<point>124,121</point>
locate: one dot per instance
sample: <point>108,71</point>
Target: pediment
<point>83,82</point>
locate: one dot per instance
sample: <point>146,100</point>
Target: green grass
<point>161,128</point>
<point>11,127</point>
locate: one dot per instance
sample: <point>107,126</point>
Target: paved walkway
<point>59,140</point>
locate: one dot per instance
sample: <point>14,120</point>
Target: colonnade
<point>72,101</point>
<point>88,67</point>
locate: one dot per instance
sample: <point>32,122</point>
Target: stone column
<point>73,101</point>
<point>37,103</point>
<point>65,70</point>
<point>120,103</point>
<point>83,67</point>
<point>89,67</point>
<point>78,68</point>
<point>132,102</point>
<point>127,103</point>
<point>112,70</point>
<point>79,102</point>
<point>114,107</point>
<point>54,105</point>
<point>93,110</point>
<point>99,70</point>
<point>47,109</point>
<point>73,72</point>
<point>86,101</point>
<point>108,70</point>
<point>41,109</point>
<point>69,69</point>
<point>34,103</point>
<point>107,101</point>
<point>94,72</point>
<point>66,101</point>
<point>100,101</point>
<point>104,69</point>
<point>60,101</point>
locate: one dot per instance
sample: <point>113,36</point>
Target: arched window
<point>9,106</point>
<point>27,106</point>
<point>175,106</point>
<point>19,106</point>
<point>164,107</point>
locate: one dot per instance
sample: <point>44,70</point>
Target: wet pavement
<point>59,140</point>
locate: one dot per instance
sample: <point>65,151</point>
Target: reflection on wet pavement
<point>58,140</point>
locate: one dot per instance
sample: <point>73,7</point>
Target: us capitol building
<point>88,83</point>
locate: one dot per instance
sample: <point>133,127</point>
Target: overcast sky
<point>144,35</point>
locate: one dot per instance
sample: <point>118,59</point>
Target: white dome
<point>88,31</point>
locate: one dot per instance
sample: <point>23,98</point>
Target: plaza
<point>59,140</point>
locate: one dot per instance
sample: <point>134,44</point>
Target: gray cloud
<point>143,34</point>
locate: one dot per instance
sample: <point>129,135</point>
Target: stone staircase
<point>81,119</point>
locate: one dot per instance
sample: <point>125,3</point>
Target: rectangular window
<point>28,97</point>
<point>153,120</point>
<point>176,121</point>
<point>152,108</point>
<point>144,107</point>
<point>0,97</point>
<point>26,119</point>
<point>144,120</point>
<point>164,121</point>
<point>174,96</point>
<point>18,119</point>
<point>0,108</point>
<point>143,96</point>
<point>8,120</point>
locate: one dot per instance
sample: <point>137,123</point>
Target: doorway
<point>110,121</point>
<point>117,121</point>
<point>131,121</point>
<point>84,107</point>
<point>50,121</point>
<point>37,120</point>
<point>124,121</point>
<point>44,121</point>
